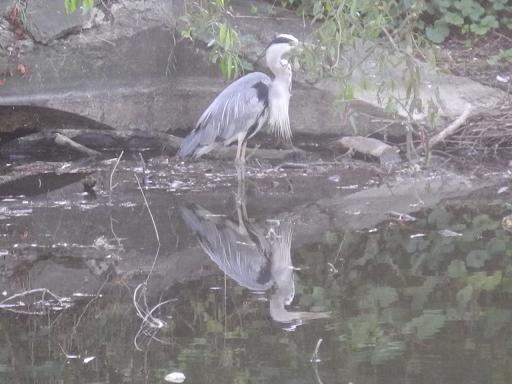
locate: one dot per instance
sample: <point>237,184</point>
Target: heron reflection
<point>256,256</point>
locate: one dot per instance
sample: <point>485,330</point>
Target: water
<point>300,276</point>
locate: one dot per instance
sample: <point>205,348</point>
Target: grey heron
<point>256,257</point>
<point>241,110</point>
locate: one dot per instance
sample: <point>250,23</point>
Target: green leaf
<point>70,5</point>
<point>438,32</point>
<point>88,4</point>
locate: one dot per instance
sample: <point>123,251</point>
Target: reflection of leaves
<point>380,296</point>
<point>485,223</point>
<point>387,350</point>
<point>420,294</point>
<point>464,296</point>
<point>364,331</point>
<point>476,258</point>
<point>371,250</point>
<point>439,217</point>
<point>506,284</point>
<point>457,269</point>
<point>426,325</point>
<point>496,320</point>
<point>480,280</point>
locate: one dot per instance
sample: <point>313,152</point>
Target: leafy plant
<point>476,16</point>
<point>72,5</point>
<point>210,21</point>
<point>502,55</point>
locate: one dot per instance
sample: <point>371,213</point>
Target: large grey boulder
<point>47,20</point>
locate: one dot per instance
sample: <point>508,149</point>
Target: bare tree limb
<point>66,141</point>
<point>453,127</point>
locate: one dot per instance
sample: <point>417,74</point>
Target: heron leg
<point>239,150</point>
<point>240,198</point>
<point>244,147</point>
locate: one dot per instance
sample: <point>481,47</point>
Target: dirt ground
<point>472,56</point>
<point>487,135</point>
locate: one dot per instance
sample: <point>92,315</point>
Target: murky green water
<point>303,284</point>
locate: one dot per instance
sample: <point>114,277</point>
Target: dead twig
<point>453,127</point>
<point>110,186</point>
<point>60,139</point>
<point>41,306</point>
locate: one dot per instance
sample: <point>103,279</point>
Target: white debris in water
<point>400,216</point>
<point>372,230</point>
<point>175,377</point>
<point>128,204</point>
<point>89,359</point>
<point>353,186</point>
<point>417,235</point>
<point>4,293</point>
<point>79,294</point>
<point>353,213</point>
<point>503,78</point>
<point>502,190</point>
<point>335,178</point>
<point>176,184</point>
<point>448,233</point>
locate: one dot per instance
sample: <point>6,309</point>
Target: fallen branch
<point>170,141</point>
<point>66,141</point>
<point>453,127</point>
<point>35,302</point>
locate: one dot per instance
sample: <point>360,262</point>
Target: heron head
<point>278,47</point>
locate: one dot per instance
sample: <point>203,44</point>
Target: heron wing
<point>238,109</point>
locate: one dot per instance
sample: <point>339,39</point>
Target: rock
<point>138,74</point>
<point>369,146</point>
<point>47,20</point>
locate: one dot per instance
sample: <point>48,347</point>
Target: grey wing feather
<point>234,111</point>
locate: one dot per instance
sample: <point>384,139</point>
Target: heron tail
<point>190,144</point>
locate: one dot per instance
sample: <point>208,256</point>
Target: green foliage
<point>476,16</point>
<point>72,5</point>
<point>503,55</point>
<point>210,22</point>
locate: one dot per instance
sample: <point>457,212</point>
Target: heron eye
<point>284,63</point>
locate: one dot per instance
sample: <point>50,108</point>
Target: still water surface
<point>242,293</point>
